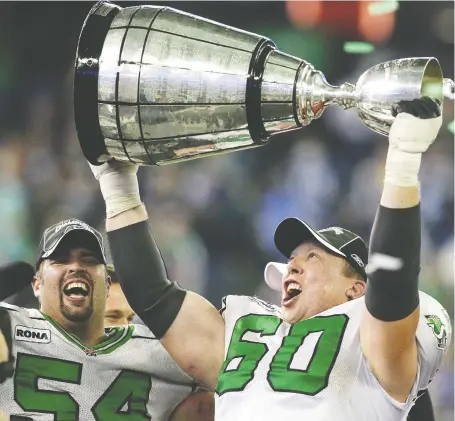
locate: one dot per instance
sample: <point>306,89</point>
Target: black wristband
<point>143,277</point>
<point>394,264</point>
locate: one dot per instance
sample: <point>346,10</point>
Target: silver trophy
<point>154,85</point>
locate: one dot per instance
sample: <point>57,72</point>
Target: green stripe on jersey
<point>117,336</point>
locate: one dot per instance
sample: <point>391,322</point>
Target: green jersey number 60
<point>281,377</point>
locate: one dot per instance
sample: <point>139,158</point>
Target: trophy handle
<point>448,88</point>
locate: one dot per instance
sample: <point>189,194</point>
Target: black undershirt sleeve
<point>143,277</point>
<point>394,264</point>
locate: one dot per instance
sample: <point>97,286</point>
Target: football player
<point>346,343</point>
<point>67,365</point>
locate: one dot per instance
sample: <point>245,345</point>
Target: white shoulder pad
<point>143,331</point>
<point>235,306</point>
<point>434,334</point>
<point>10,307</point>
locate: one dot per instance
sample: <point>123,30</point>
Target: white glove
<point>119,186</point>
<point>415,128</point>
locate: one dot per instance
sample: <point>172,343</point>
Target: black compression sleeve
<point>394,264</point>
<point>143,277</point>
<point>422,409</point>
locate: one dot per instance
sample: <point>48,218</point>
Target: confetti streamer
<point>358,48</point>
<point>383,7</point>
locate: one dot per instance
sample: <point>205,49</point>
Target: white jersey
<point>128,377</point>
<point>313,370</point>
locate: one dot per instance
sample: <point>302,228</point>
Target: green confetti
<point>358,47</point>
<point>451,127</point>
<point>383,7</point>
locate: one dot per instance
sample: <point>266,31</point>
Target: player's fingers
<point>396,109</point>
<point>401,107</point>
<point>426,107</point>
<point>433,107</point>
<point>405,107</point>
<point>422,108</point>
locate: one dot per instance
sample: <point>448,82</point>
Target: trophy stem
<point>315,94</point>
<point>343,95</point>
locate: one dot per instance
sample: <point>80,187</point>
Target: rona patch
<point>439,330</point>
<point>30,334</point>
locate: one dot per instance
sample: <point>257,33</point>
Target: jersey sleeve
<point>433,338</point>
<point>231,310</point>
<point>434,334</point>
<point>230,306</point>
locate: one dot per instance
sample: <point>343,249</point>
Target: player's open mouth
<point>291,290</point>
<point>76,290</point>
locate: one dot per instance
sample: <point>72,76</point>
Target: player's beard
<point>76,314</point>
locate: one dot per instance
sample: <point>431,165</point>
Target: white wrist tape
<point>402,168</point>
<point>120,192</point>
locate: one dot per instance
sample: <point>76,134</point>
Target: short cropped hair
<point>350,272</point>
<point>113,274</point>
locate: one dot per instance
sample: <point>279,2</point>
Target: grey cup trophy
<point>154,86</point>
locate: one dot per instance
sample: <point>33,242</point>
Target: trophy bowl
<point>385,84</point>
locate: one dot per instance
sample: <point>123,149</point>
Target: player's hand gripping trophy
<point>154,85</point>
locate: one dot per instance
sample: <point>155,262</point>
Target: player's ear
<point>108,285</point>
<point>356,289</point>
<point>36,286</point>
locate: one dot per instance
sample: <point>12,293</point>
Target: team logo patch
<point>30,334</point>
<point>439,330</point>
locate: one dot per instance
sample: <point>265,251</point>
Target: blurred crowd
<point>214,218</point>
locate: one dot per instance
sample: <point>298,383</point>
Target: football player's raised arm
<point>389,324</point>
<point>189,327</point>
